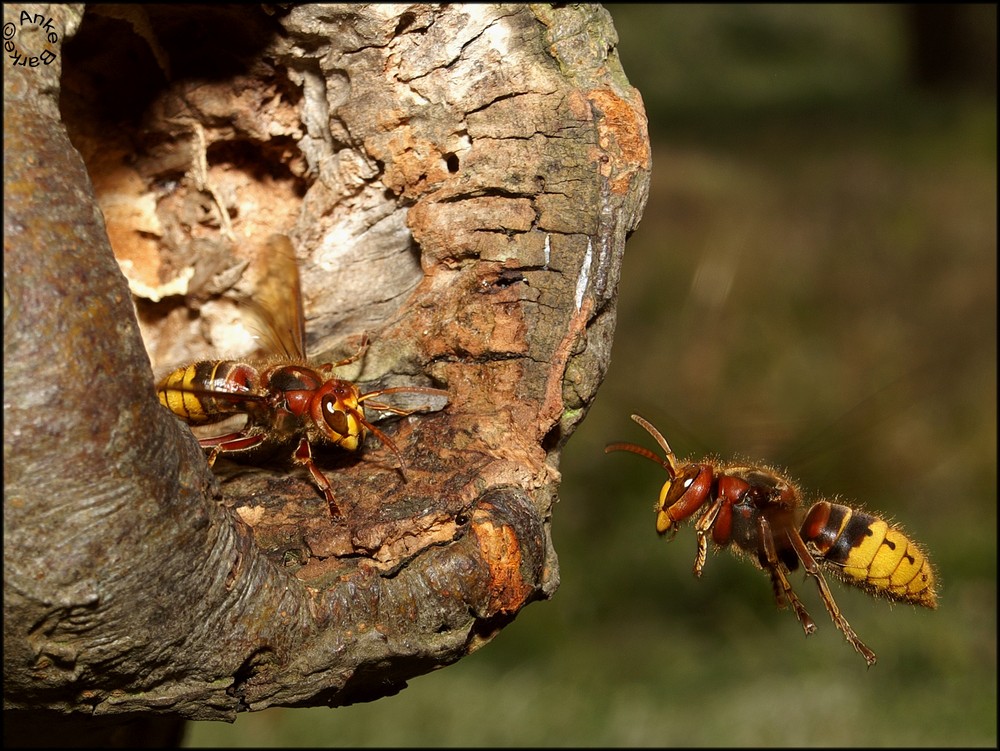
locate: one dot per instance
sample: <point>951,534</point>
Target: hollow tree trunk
<point>458,183</point>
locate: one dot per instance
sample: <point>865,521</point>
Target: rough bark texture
<point>458,181</point>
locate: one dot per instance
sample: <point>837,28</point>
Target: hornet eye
<point>335,418</point>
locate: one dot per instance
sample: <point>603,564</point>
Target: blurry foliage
<point>705,64</point>
<point>813,285</point>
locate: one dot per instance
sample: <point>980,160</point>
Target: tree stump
<point>458,183</point>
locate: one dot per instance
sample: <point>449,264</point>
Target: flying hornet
<point>758,513</point>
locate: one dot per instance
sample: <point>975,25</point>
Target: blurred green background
<point>813,284</point>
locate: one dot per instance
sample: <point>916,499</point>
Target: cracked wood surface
<point>459,183</point>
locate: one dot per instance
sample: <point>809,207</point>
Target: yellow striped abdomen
<point>208,391</point>
<point>870,553</point>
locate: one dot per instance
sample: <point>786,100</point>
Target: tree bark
<point>459,183</point>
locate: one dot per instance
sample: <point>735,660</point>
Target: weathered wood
<point>459,183</point>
